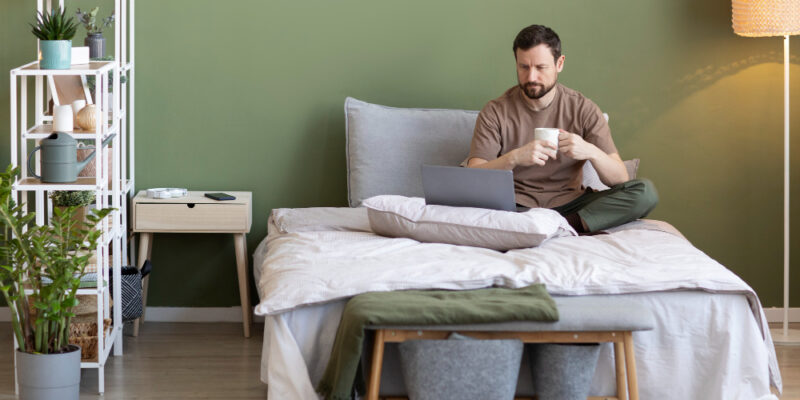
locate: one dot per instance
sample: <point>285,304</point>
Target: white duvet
<point>315,256</point>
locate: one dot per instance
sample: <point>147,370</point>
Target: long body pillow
<point>399,216</point>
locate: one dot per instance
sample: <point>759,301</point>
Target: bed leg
<point>630,366</point>
<point>375,368</point>
<point>619,361</point>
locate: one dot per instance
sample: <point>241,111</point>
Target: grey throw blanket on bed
<point>423,307</point>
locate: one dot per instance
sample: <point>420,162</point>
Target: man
<point>543,175</point>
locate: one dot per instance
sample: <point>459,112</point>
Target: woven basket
<point>83,333</point>
<point>87,304</point>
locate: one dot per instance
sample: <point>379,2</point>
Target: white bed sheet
<point>320,255</point>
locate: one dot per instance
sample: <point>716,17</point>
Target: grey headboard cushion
<point>387,146</point>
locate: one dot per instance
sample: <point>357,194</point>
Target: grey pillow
<point>387,146</point>
<point>592,180</point>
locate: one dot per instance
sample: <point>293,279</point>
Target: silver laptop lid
<point>469,187</point>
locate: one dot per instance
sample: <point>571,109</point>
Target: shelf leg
<point>101,387</point>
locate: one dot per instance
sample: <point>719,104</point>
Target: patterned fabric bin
<point>131,293</point>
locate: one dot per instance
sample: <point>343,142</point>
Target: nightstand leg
<point>145,249</point>
<point>244,287</point>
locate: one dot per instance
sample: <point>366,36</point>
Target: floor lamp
<point>756,18</point>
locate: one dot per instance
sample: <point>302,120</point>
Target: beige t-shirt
<point>507,123</point>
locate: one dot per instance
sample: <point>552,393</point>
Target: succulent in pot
<point>55,32</point>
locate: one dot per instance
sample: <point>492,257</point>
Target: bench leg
<point>619,361</point>
<point>630,366</point>
<point>375,369</point>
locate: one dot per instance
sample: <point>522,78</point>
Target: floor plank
<point>214,361</point>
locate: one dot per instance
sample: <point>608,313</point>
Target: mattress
<point>711,340</point>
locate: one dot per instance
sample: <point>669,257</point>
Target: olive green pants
<point>613,207</point>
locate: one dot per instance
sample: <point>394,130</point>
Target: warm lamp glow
<point>766,17</point>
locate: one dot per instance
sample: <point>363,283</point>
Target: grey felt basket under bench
<point>582,320</point>
<point>460,368</point>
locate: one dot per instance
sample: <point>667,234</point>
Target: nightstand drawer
<point>189,217</point>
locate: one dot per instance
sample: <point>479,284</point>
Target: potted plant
<point>40,271</point>
<point>55,34</point>
<point>80,199</point>
<point>94,31</point>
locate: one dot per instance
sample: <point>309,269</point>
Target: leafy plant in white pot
<point>40,271</point>
<point>55,33</point>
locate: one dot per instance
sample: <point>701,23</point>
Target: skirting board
<point>775,314</point>
<point>179,314</point>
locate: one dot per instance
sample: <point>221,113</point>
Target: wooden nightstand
<point>196,213</point>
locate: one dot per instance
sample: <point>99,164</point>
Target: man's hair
<point>535,35</point>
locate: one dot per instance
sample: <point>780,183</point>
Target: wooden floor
<point>214,361</point>
<point>789,362</point>
<point>169,361</point>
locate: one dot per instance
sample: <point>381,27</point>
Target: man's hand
<point>535,152</point>
<point>609,167</point>
<point>573,146</point>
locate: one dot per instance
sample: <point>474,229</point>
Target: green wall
<point>248,96</point>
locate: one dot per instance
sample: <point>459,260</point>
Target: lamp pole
<point>786,186</point>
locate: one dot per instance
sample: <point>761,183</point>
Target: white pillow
<point>315,219</point>
<point>400,216</point>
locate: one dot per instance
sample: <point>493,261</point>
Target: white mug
<point>547,134</point>
<point>62,118</point>
<point>77,105</point>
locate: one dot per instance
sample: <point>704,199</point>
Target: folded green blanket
<point>423,307</point>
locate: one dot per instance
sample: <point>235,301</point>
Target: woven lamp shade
<point>766,17</point>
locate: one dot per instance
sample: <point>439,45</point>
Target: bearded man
<point>546,175</point>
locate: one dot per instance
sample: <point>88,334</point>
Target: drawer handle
<point>190,205</point>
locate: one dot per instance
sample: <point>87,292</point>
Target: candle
<point>62,118</point>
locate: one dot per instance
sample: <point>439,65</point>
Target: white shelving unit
<point>113,248</point>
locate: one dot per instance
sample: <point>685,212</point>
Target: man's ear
<point>560,63</point>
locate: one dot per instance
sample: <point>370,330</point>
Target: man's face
<point>537,71</point>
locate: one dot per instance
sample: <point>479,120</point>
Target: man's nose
<point>532,75</point>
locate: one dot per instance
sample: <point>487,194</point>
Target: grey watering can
<point>60,158</point>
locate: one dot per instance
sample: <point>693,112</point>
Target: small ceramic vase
<point>86,117</point>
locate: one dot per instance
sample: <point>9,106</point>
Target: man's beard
<point>536,91</point>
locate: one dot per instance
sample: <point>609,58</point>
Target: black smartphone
<point>220,196</point>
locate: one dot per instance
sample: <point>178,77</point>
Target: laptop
<point>469,187</point>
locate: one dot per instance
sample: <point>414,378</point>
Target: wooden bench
<point>587,319</point>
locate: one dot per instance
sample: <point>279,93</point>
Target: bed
<point>711,339</point>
